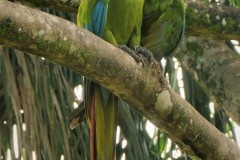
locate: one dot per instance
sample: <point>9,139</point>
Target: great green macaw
<point>163,26</point>
<point>157,25</point>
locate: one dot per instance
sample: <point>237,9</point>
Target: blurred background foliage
<point>36,96</point>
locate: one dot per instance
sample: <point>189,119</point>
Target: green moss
<point>21,36</point>
<point>6,26</point>
<point>190,17</point>
<point>231,24</point>
<point>87,54</point>
<point>216,27</point>
<point>61,46</point>
<point>12,32</point>
<point>41,44</point>
<point>196,52</point>
<point>83,53</point>
<point>204,19</point>
<point>178,115</point>
<point>194,16</point>
<point>181,115</point>
<point>112,70</point>
<point>64,45</point>
<point>216,85</point>
<point>195,49</point>
<point>238,31</point>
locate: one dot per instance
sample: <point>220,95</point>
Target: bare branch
<point>143,87</point>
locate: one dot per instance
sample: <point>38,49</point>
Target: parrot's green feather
<point>163,26</point>
<point>124,21</point>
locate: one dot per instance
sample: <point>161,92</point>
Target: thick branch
<point>203,19</point>
<point>217,68</point>
<point>142,87</point>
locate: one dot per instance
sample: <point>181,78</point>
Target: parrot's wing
<point>163,27</point>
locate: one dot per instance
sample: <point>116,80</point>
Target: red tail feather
<point>92,129</point>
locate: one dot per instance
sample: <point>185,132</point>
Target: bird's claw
<point>145,52</point>
<point>132,53</point>
<point>138,51</point>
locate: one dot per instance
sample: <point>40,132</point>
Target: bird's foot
<point>146,53</point>
<point>77,115</point>
<point>132,53</point>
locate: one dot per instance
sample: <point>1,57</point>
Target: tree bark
<point>202,19</point>
<point>212,21</point>
<point>144,88</point>
<point>216,67</point>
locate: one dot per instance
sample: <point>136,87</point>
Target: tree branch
<point>143,87</point>
<point>212,21</point>
<point>203,19</point>
<point>217,68</point>
<point>197,12</point>
<point>69,6</point>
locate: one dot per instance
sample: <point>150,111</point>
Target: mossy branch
<point>216,67</point>
<point>213,21</point>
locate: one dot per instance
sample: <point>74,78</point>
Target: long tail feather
<point>106,122</point>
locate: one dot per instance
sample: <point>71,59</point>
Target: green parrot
<point>163,26</point>
<point>157,25</point>
<point>119,23</point>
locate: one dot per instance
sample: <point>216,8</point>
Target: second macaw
<point>118,22</point>
<point>163,26</point>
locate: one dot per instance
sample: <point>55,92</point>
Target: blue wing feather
<point>89,27</point>
<point>99,18</point>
